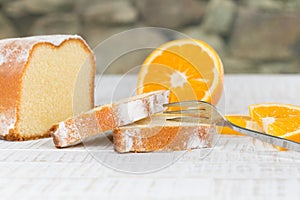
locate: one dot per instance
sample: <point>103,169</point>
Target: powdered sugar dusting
<point>66,134</point>
<point>7,121</point>
<point>140,107</point>
<point>188,136</point>
<point>139,142</point>
<point>2,59</point>
<point>195,141</point>
<point>156,102</point>
<point>61,133</point>
<point>127,141</point>
<point>131,111</point>
<point>74,130</point>
<point>17,50</point>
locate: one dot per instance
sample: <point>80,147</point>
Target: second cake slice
<point>159,134</point>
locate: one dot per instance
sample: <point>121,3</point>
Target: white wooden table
<point>236,168</point>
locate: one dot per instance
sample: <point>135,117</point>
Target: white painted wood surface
<point>236,168</point>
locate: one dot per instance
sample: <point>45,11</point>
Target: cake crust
<point>162,136</point>
<point>11,136</point>
<point>14,56</point>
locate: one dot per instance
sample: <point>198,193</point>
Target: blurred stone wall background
<point>252,36</point>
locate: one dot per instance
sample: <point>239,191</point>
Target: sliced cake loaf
<point>158,134</point>
<point>41,80</point>
<point>107,117</point>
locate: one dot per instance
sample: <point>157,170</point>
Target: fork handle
<point>288,144</point>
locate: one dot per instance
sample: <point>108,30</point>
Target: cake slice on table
<point>158,134</point>
<point>108,117</point>
<point>41,78</point>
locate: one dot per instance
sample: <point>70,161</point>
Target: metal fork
<point>202,112</point>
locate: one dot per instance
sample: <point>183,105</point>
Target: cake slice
<point>43,80</point>
<point>107,117</point>
<point>158,134</point>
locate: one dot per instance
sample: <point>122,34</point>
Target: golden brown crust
<point>72,130</point>
<point>12,72</point>
<point>12,136</point>
<point>160,138</point>
<point>106,118</point>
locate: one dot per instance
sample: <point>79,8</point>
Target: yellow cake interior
<point>57,84</point>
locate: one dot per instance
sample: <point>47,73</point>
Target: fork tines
<point>193,107</point>
<point>187,111</point>
<point>188,119</point>
<point>191,103</point>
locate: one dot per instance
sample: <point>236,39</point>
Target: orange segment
<point>189,68</point>
<point>278,119</point>
<point>242,121</point>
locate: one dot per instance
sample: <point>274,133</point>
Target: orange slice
<point>267,113</point>
<point>189,68</point>
<point>280,120</point>
<point>242,121</point>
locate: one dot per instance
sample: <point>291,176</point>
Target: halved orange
<point>282,120</point>
<point>244,121</point>
<point>189,68</point>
